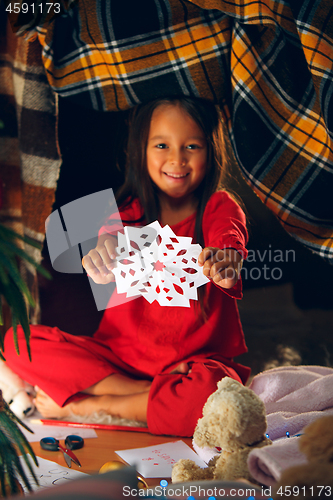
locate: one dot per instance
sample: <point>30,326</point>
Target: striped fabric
<point>29,157</point>
<point>267,63</point>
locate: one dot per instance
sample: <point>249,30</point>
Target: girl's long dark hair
<point>138,184</point>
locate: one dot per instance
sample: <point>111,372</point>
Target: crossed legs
<point>116,395</point>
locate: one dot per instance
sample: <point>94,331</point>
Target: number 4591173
<point>309,491</point>
<point>24,8</point>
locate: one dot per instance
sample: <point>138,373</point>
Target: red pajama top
<point>150,338</point>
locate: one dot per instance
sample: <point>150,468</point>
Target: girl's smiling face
<point>176,152</point>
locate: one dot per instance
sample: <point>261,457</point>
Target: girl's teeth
<point>176,176</point>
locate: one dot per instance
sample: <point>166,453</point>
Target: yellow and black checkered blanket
<point>267,63</point>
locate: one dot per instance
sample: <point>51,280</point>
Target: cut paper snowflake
<point>155,263</point>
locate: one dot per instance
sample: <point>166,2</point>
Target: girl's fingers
<point>96,268</point>
<point>87,263</point>
<point>215,265</point>
<point>102,280</point>
<point>207,253</point>
<point>107,262</point>
<point>206,259</point>
<point>227,274</point>
<point>218,266</point>
<point>222,273</point>
<point>109,245</point>
<point>98,258</point>
<point>221,266</point>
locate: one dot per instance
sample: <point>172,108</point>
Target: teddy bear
<point>314,479</point>
<point>234,420</point>
<point>17,393</point>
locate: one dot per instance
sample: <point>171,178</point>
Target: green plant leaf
<point>16,302</point>
<point>14,289</point>
<point>24,256</point>
<point>1,323</point>
<point>16,419</point>
<point>14,324</point>
<point>17,436</point>
<point>3,275</point>
<point>11,463</point>
<point>14,273</point>
<point>2,475</point>
<point>12,285</point>
<point>13,435</point>
<point>9,234</point>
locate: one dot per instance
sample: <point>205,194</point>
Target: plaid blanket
<point>29,156</point>
<point>267,63</point>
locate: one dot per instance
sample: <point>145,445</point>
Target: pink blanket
<point>294,396</point>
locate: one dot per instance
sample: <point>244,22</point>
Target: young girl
<point>146,362</point>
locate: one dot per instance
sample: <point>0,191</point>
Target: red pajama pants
<point>63,365</point>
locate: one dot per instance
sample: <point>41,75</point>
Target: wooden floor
<point>96,452</point>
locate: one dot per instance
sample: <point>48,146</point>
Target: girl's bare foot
<point>49,408</point>
<point>132,406</point>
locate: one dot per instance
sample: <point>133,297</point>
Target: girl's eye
<point>161,146</point>
<point>193,146</point>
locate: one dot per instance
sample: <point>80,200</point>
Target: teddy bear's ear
<point>225,385</point>
<point>228,384</point>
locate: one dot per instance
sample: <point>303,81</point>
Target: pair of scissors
<point>72,442</point>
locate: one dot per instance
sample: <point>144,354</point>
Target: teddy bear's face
<point>233,418</point>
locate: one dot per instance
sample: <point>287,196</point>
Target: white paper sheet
<point>155,263</point>
<point>157,461</point>
<point>49,474</point>
<point>56,431</point>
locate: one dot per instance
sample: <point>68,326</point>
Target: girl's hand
<point>221,266</point>
<point>100,261</point>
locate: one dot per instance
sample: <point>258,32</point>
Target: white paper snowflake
<point>155,263</point>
